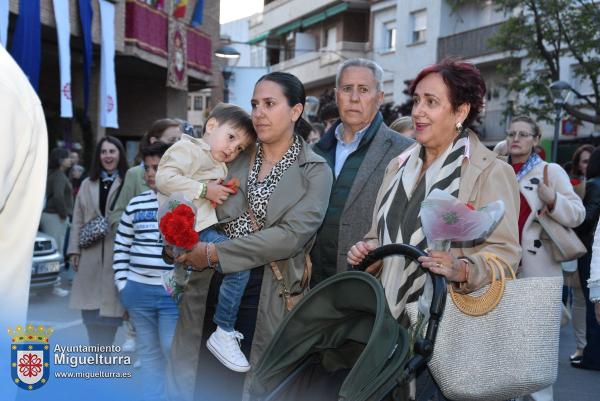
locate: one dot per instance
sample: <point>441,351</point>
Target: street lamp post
<point>226,77</point>
<point>559,90</point>
<point>230,55</point>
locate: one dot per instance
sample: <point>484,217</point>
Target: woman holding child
<point>280,205</point>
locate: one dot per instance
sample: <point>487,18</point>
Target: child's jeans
<point>231,290</point>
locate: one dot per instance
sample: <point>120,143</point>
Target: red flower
<point>233,183</point>
<point>177,226</point>
<point>575,181</point>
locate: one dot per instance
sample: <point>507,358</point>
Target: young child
<point>196,168</point>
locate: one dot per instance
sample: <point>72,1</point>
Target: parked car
<point>47,262</point>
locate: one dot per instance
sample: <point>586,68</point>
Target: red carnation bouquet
<point>177,227</point>
<point>176,219</point>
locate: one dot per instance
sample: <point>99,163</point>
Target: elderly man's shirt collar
<point>342,149</point>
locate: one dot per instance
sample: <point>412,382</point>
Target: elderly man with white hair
<point>358,148</point>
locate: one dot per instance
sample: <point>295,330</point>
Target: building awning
<point>304,23</point>
<point>259,38</point>
<point>313,19</point>
<point>289,27</point>
<point>331,11</point>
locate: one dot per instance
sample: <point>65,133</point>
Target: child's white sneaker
<point>225,346</point>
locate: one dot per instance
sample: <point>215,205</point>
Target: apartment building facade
<point>427,31</point>
<point>310,38</point>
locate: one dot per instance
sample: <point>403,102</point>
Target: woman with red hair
<point>448,155</point>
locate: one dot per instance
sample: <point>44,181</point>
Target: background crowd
<point>345,169</point>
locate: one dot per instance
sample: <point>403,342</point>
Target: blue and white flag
<point>4,9</point>
<point>63,29</point>
<point>27,40</point>
<point>108,87</point>
<point>85,16</point>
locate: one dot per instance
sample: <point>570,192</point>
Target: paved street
<point>572,385</point>
<point>53,311</point>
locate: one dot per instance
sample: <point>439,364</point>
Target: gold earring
<point>459,127</point>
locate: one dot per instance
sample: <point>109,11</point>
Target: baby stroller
<point>342,343</point>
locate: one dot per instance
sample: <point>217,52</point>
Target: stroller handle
<point>424,347</point>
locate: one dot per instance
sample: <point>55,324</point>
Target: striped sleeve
<point>122,249</point>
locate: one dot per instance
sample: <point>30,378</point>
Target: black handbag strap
<point>116,198</point>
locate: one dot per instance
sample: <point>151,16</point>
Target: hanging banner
<point>108,87</point>
<point>177,62</point>
<point>63,30</point>
<point>198,14</point>
<point>85,16</point>
<point>4,9</point>
<point>26,47</point>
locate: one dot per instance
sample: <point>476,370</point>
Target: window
<point>419,26</point>
<point>258,55</point>
<point>273,51</point>
<point>330,38</point>
<point>198,103</point>
<point>389,36</point>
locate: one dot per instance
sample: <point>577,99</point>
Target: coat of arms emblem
<point>30,356</point>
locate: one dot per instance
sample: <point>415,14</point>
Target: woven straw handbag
<point>500,342</point>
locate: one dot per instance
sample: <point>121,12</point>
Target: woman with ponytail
<point>281,204</point>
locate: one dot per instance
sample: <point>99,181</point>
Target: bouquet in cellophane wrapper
<point>445,219</point>
<point>176,218</point>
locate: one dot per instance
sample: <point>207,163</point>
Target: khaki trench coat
<point>484,179</point>
<point>296,210</point>
<point>94,283</point>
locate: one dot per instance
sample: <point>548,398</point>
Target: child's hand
<point>218,193</point>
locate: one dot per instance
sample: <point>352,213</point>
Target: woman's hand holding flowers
<point>445,264</point>
<point>197,258</point>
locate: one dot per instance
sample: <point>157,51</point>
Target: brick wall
<point>212,26</point>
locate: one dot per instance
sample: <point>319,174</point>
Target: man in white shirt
<point>23,169</point>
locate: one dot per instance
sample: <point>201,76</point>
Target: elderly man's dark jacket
<point>353,194</point>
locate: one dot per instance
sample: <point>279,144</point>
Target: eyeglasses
<point>519,134</point>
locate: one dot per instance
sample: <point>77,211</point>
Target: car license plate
<point>49,267</point>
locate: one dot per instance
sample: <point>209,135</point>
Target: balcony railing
<point>468,44</point>
<point>148,29</point>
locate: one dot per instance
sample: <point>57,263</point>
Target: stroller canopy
<point>344,323</point>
